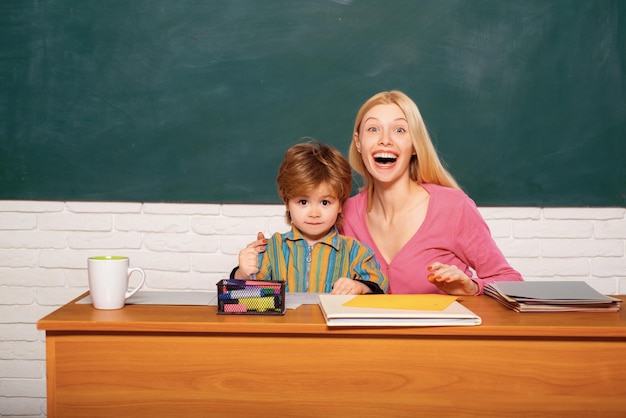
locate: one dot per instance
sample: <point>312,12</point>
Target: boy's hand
<point>347,286</point>
<point>249,257</point>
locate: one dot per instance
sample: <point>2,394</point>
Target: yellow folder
<point>410,302</point>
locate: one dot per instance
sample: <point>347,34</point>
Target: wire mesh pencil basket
<point>253,297</point>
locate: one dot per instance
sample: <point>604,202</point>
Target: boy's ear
<point>287,215</point>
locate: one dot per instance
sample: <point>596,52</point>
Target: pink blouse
<point>453,232</point>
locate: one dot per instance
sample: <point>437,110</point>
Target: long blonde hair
<point>427,167</point>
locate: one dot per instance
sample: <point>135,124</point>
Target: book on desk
<point>395,310</point>
<point>551,296</point>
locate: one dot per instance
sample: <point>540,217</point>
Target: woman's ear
<point>357,143</point>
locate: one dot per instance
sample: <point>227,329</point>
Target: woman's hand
<point>451,280</point>
<point>347,286</point>
<point>249,257</point>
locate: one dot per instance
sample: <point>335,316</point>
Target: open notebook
<point>395,310</point>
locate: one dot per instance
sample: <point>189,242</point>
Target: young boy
<point>314,181</point>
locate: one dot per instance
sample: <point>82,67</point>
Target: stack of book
<point>395,310</point>
<point>551,296</point>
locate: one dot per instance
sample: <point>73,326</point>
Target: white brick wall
<point>44,248</point>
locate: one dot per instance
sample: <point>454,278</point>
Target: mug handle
<point>129,293</point>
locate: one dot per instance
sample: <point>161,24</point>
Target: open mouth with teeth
<point>385,158</point>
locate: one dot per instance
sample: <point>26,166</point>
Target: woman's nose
<point>385,138</point>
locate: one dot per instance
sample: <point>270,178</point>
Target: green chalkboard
<point>196,101</point>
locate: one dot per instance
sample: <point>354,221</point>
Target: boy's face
<point>315,213</point>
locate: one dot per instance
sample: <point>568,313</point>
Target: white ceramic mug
<point>108,281</point>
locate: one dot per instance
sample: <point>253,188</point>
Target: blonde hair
<point>427,167</point>
<point>308,165</point>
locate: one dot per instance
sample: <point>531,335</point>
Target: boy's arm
<point>366,270</point>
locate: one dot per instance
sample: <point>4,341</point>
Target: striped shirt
<point>315,269</point>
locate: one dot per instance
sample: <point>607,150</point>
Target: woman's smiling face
<point>385,143</point>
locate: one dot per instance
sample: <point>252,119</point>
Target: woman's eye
<point>372,129</point>
<point>400,130</point>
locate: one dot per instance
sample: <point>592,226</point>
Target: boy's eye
<point>326,202</point>
<point>303,202</point>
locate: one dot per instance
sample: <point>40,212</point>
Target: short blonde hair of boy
<point>310,164</point>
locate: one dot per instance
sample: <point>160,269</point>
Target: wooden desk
<point>186,361</point>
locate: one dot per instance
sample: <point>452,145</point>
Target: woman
<point>427,234</point>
